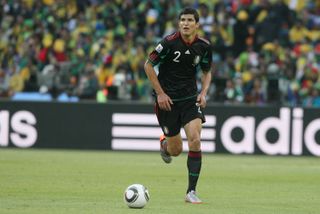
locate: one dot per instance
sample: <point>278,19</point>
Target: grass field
<point>58,181</point>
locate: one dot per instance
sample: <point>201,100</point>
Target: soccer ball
<point>136,196</point>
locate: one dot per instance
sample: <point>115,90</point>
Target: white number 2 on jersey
<point>177,53</point>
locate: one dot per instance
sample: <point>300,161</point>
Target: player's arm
<point>206,77</point>
<point>206,80</point>
<point>163,99</point>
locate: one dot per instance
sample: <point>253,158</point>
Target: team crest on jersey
<point>196,60</point>
<point>159,48</point>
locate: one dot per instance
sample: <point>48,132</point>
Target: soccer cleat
<point>165,156</point>
<point>191,197</point>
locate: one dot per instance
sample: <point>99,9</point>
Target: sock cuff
<point>193,154</point>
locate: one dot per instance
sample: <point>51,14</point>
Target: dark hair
<point>190,10</point>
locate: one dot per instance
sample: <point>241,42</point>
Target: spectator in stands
<point>298,33</point>
<point>4,84</point>
<point>88,85</point>
<point>241,32</point>
<point>206,20</point>
<point>258,93</point>
<point>16,82</point>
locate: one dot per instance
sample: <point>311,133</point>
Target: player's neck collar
<point>187,42</point>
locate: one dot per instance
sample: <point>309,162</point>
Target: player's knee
<point>194,144</point>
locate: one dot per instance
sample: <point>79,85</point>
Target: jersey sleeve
<point>206,60</point>
<point>159,52</point>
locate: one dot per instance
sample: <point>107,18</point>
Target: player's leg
<point>192,119</point>
<point>171,141</point>
<point>170,146</point>
<point>174,145</point>
<point>193,130</point>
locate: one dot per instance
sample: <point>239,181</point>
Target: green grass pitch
<point>68,181</point>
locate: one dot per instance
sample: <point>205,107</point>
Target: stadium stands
<point>264,51</point>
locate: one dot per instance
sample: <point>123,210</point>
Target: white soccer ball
<point>136,196</point>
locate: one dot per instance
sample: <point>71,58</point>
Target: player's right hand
<point>164,102</point>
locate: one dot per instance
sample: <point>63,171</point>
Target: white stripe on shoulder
<point>203,39</point>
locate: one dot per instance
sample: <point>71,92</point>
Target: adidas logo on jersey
<point>187,52</point>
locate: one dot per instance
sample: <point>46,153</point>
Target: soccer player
<point>178,104</point>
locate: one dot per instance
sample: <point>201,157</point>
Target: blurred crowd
<point>264,51</point>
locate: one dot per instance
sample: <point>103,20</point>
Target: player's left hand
<point>201,100</point>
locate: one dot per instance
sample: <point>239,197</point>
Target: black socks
<point>194,167</point>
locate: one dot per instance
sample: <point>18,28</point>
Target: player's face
<point>188,25</point>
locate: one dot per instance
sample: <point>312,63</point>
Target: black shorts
<point>182,112</point>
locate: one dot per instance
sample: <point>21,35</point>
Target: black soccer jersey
<point>179,63</point>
